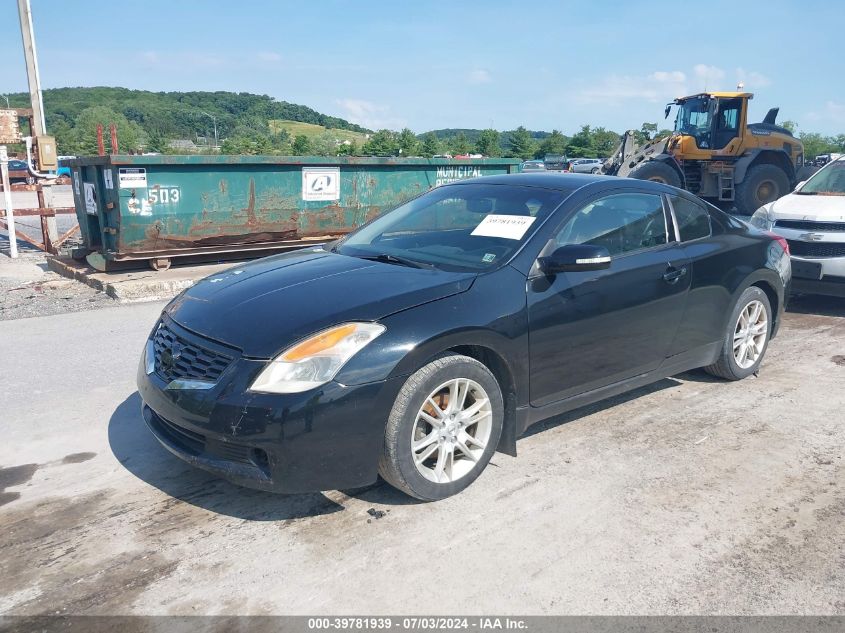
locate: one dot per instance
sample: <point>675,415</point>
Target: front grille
<point>176,358</point>
<point>198,444</point>
<point>808,225</point>
<point>816,249</point>
<point>184,438</point>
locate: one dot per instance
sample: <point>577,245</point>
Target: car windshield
<point>471,227</point>
<point>828,181</point>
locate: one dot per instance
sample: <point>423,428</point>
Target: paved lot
<point>692,496</point>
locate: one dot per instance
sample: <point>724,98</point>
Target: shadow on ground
<point>817,304</point>
<point>140,453</point>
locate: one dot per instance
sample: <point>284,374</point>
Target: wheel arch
<point>763,279</point>
<point>775,157</point>
<point>491,350</point>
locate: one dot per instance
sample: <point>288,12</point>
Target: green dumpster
<point>159,207</point>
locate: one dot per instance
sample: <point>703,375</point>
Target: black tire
<point>396,464</point>
<point>762,184</point>
<point>726,366</point>
<point>657,171</point>
<point>595,170</point>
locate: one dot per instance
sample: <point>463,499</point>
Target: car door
<point>594,328</point>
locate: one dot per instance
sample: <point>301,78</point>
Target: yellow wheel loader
<point>715,153</point>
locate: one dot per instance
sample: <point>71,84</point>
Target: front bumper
<point>818,265</point>
<point>324,439</point>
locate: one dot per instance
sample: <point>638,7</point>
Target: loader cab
<point>714,123</point>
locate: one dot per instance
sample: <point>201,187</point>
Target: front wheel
<point>762,184</point>
<point>657,171</point>
<point>747,337</point>
<point>443,428</point>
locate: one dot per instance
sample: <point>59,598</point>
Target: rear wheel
<point>658,172</point>
<point>747,337</point>
<point>443,429</point>
<point>762,184</point>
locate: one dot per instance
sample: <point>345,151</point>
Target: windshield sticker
<point>511,227</point>
<point>488,257</point>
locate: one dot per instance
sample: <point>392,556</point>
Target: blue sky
<point>434,64</point>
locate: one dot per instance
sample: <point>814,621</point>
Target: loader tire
<point>658,172</point>
<point>762,184</point>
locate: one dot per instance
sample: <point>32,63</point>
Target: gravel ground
<point>28,289</point>
<point>690,496</point>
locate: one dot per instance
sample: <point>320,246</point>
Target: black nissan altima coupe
<point>435,335</point>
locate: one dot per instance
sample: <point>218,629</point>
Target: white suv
<point>812,219</point>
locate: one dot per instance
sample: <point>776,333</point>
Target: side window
<point>621,223</point>
<point>693,219</point>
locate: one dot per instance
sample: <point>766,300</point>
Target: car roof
<point>567,182</point>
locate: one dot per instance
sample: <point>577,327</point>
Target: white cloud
<point>658,86</point>
<point>674,76</point>
<point>752,80</point>
<point>479,76</point>
<point>708,77</point>
<point>268,56</point>
<point>371,115</point>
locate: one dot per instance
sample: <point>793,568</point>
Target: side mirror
<point>575,258</point>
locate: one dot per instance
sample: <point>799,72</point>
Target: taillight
<point>780,240</point>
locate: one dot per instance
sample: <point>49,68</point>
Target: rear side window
<point>693,219</point>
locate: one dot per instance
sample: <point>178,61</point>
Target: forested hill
<point>168,115</point>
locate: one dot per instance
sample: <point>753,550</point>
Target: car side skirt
<point>693,359</point>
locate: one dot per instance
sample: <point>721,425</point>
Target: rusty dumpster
<point>159,207</point>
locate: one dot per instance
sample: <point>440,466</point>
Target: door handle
<point>672,275</point>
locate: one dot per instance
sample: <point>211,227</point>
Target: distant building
<point>183,145</point>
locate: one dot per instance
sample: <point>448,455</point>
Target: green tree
<point>382,143</point>
<point>581,144</point>
<point>489,143</point>
<point>460,145</point>
<point>553,144</point>
<point>430,145</point>
<point>605,141</point>
<point>130,136</point>
<point>521,144</point>
<point>301,145</point>
<point>247,145</point>
<point>348,149</point>
<point>325,144</point>
<point>156,143</point>
<point>408,143</point>
<point>646,132</point>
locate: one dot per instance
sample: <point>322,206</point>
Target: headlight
<point>762,220</point>
<point>316,360</point>
<point>149,357</point>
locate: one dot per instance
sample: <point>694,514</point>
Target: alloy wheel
<point>752,328</point>
<point>451,430</point>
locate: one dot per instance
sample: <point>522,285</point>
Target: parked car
<point>533,165</point>
<point>424,341</point>
<point>585,166</point>
<point>19,172</point>
<point>812,219</point>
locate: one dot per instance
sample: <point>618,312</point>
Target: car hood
<point>812,208</point>
<point>264,306</point>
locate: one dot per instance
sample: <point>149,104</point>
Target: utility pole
<point>28,37</point>
<point>214,120</point>
<point>38,124</point>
